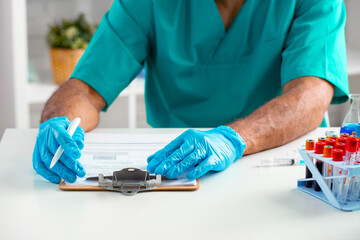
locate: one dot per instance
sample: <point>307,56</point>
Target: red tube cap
<point>330,142</point>
<point>342,140</point>
<point>352,144</point>
<point>319,147</point>
<point>341,146</point>
<point>338,155</point>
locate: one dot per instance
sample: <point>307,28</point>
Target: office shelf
<point>38,93</point>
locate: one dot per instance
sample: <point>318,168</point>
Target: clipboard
<point>63,186</point>
<point>123,151</point>
<point>129,181</point>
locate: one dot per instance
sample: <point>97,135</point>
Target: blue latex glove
<point>52,133</point>
<point>198,152</point>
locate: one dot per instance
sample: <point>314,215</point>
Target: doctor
<point>260,73</point>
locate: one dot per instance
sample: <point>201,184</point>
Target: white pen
<point>71,130</point>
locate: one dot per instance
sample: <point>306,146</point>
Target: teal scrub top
<point>200,75</point>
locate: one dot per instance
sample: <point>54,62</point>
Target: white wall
<point>7,113</point>
<point>13,64</point>
<point>352,24</point>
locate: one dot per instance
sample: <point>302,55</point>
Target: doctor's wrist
<point>234,138</point>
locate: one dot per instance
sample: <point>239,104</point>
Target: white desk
<point>241,202</point>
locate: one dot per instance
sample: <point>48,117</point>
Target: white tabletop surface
<point>241,202</point>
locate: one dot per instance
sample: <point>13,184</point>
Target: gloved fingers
<point>45,155</point>
<point>59,168</point>
<point>81,167</point>
<point>53,145</point>
<point>159,156</point>
<point>201,169</point>
<point>66,142</point>
<point>155,160</point>
<point>151,157</point>
<point>177,156</point>
<point>80,144</point>
<point>46,173</point>
<point>41,169</point>
<point>64,172</point>
<point>78,137</point>
<point>185,165</point>
<point>73,164</point>
<point>168,149</point>
<point>80,133</point>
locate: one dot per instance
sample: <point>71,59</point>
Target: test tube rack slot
<point>326,193</point>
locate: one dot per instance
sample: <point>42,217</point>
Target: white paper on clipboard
<point>106,153</point>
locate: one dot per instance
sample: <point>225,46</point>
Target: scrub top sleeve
<point>315,45</point>
<point>116,53</point>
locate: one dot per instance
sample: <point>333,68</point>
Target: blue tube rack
<point>326,194</point>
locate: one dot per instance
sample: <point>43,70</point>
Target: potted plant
<point>68,41</point>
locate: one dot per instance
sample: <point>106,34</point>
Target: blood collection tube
<point>342,140</point>
<point>310,146</point>
<point>351,147</point>
<point>344,135</point>
<point>338,156</point>
<point>328,153</point>
<point>355,182</point>
<point>319,149</point>
<point>322,139</point>
<point>350,159</point>
<point>354,188</point>
<point>342,146</point>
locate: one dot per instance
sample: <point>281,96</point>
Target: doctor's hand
<point>52,133</point>
<point>198,152</point>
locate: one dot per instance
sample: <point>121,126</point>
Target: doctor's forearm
<point>297,111</point>
<point>75,99</point>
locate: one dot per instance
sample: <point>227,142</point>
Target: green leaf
<point>70,33</point>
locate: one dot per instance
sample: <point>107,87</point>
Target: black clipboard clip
<point>130,181</point>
